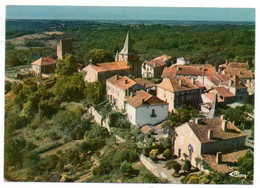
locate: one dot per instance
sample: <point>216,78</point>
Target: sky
<point>130,13</point>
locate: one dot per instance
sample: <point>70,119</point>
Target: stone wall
<point>99,119</point>
<point>158,170</point>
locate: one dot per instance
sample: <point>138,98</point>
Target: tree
<point>98,56</point>
<point>178,117</point>
<point>198,162</point>
<point>153,153</point>
<point>187,166</point>
<point>67,66</point>
<point>126,168</point>
<point>167,153</point>
<point>95,92</point>
<point>177,167</point>
<point>69,88</point>
<point>246,163</point>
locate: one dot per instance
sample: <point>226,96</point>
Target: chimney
<point>197,121</point>
<point>222,117</point>
<point>230,82</point>
<point>193,80</point>
<point>224,125</point>
<point>180,82</point>
<point>218,157</point>
<point>210,134</point>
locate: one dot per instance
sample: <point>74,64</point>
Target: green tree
<point>126,168</point>
<point>246,163</point>
<point>177,167</point>
<point>95,92</point>
<point>98,56</point>
<point>167,153</point>
<point>187,166</point>
<point>153,153</point>
<point>68,66</point>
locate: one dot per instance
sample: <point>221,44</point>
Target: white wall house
<point>145,109</point>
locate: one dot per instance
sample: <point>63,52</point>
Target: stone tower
<point>129,55</point>
<point>64,47</point>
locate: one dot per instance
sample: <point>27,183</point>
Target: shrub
<point>177,167</point>
<point>126,169</point>
<point>169,164</point>
<point>153,153</point>
<point>187,166</point>
<point>167,153</point>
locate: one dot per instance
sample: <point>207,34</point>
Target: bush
<point>169,164</point>
<point>153,153</point>
<point>126,169</point>
<point>177,167</point>
<point>167,153</point>
<point>187,166</point>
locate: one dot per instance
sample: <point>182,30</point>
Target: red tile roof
<point>223,92</point>
<point>185,70</point>
<point>122,82</point>
<point>155,63</point>
<point>213,80</point>
<point>44,61</point>
<point>201,130</point>
<point>199,84</point>
<point>211,97</point>
<point>146,129</point>
<point>163,58</point>
<point>241,73</point>
<point>111,66</point>
<point>227,157</point>
<point>144,82</point>
<point>177,84</point>
<point>237,65</point>
<point>142,98</point>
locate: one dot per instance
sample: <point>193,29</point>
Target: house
<point>43,65</point>
<point>129,55</point>
<point>224,94</point>
<point>209,138</point>
<point>118,88</point>
<point>150,87</point>
<point>239,69</point>
<point>65,46</point>
<point>177,92</point>
<point>237,88</point>
<point>154,68</point>
<point>145,109</point>
<point>101,71</point>
<point>192,70</point>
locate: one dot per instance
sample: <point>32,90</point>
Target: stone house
<point>43,65</point>
<point>150,87</point>
<point>224,94</point>
<point>120,87</point>
<point>154,68</point>
<point>101,71</point>
<point>177,92</point>
<point>210,137</point>
<point>145,109</point>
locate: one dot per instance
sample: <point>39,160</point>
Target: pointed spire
<point>213,110</point>
<point>116,56</point>
<point>126,45</point>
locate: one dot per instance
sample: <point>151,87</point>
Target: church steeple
<point>126,45</point>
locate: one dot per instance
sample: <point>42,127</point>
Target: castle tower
<point>129,55</point>
<point>64,47</point>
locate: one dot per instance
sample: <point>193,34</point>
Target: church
<point>126,63</point>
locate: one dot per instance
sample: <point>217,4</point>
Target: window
<point>153,113</point>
